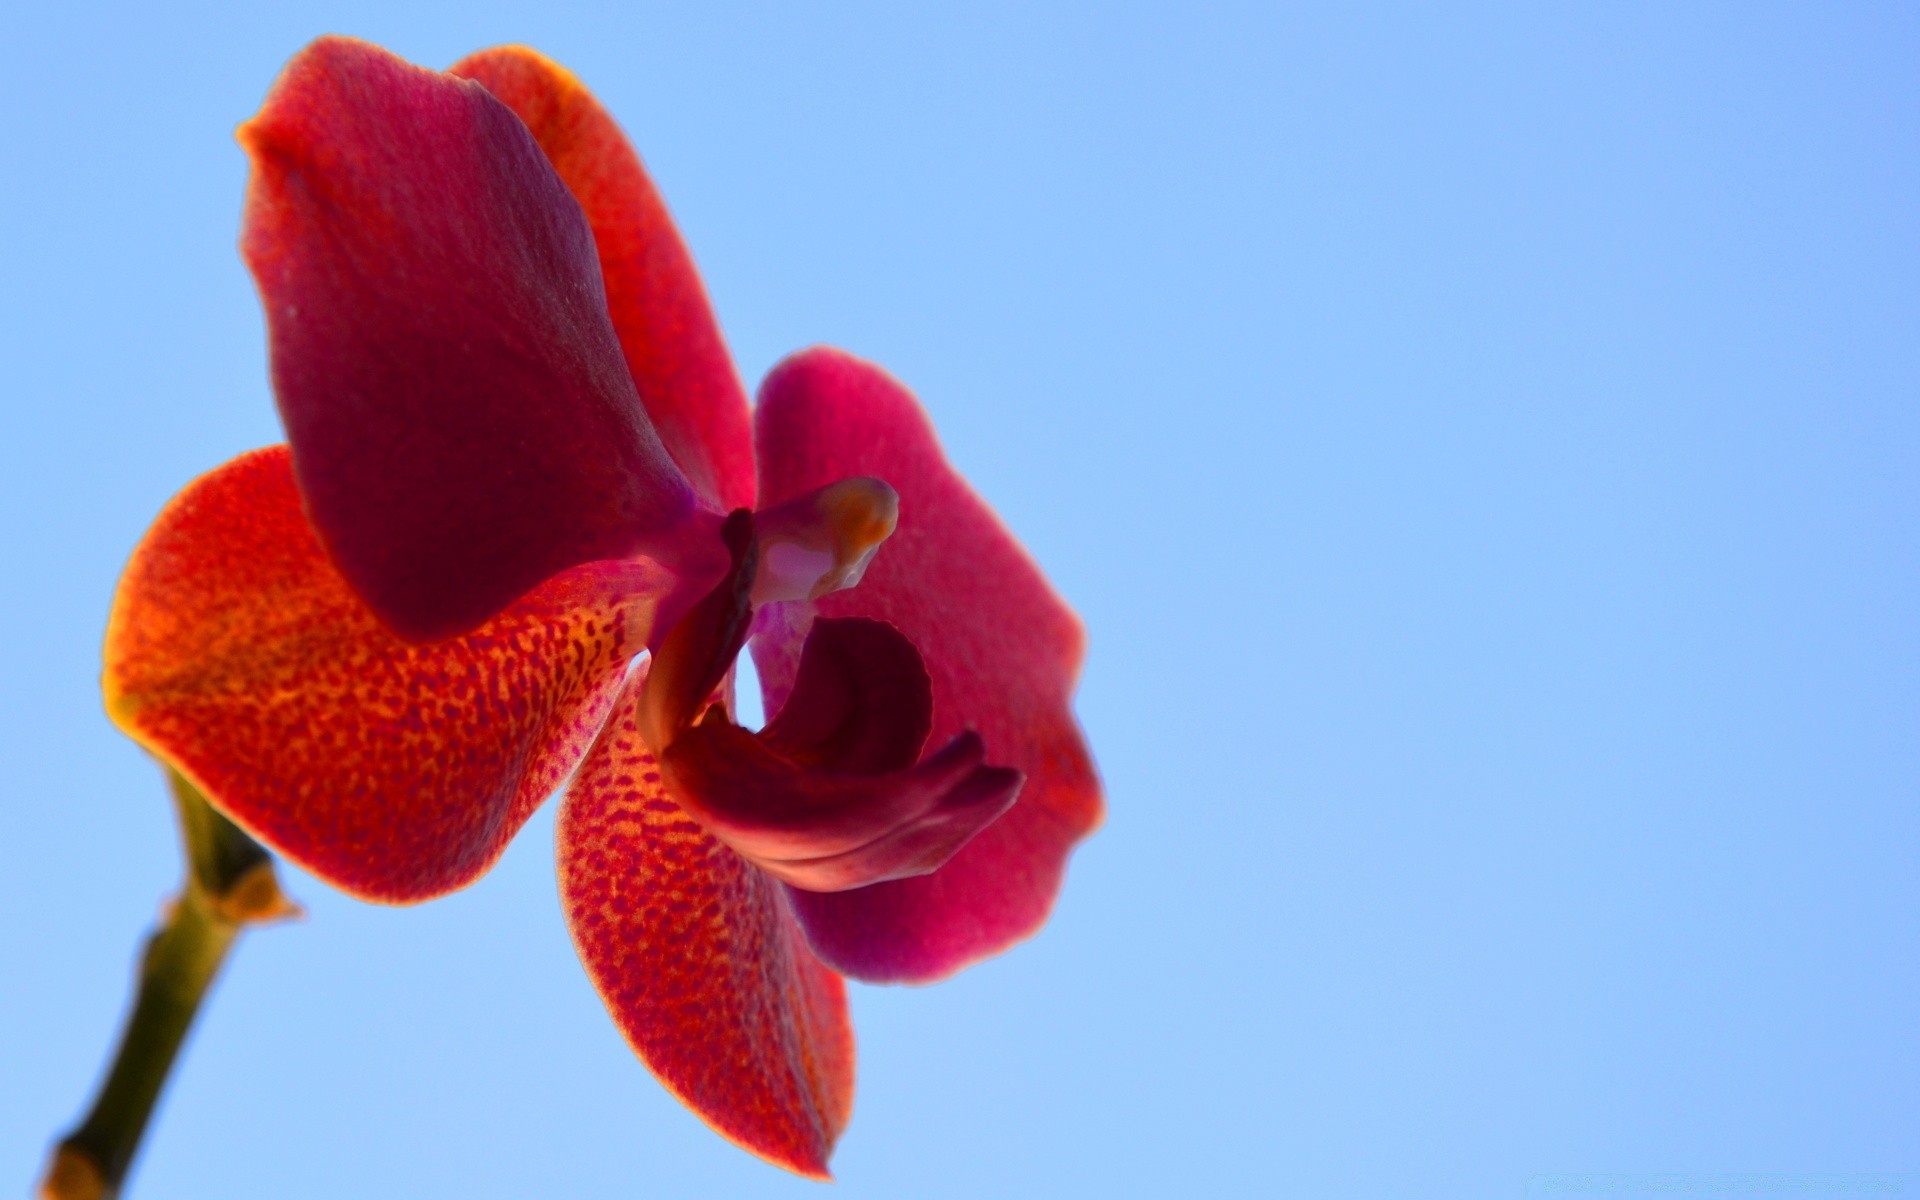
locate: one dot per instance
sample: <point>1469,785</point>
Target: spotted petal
<point>398,772</point>
<point>1002,650</point>
<point>699,960</point>
<point>667,330</point>
<point>462,419</point>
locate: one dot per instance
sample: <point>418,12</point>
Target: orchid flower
<point>524,525</point>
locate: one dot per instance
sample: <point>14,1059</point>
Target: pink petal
<point>667,330</point>
<point>462,419</point>
<point>1001,648</point>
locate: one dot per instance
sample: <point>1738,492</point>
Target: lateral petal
<point>397,772</point>
<point>699,960</point>
<point>667,329</point>
<point>462,419</point>
<point>1002,649</point>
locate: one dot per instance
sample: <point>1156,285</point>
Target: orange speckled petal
<point>397,772</point>
<point>666,328</point>
<point>700,961</point>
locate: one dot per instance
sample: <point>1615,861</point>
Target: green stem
<point>230,883</point>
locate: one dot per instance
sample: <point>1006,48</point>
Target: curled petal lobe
<point>463,422</point>
<point>238,654</point>
<point>667,330</point>
<point>830,795</point>
<point>861,700</point>
<point>1002,651</point>
<point>699,960</point>
<point>698,653</point>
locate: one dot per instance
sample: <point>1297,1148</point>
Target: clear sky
<point>1481,440</point>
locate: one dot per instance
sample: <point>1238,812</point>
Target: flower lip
<point>829,796</point>
<point>832,794</point>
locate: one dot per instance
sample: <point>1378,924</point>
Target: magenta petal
<point>828,797</point>
<point>462,419</point>
<point>1001,648</point>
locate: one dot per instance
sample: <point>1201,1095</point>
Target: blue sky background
<point>1482,442</point>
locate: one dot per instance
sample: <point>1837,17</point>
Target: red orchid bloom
<point>519,457</point>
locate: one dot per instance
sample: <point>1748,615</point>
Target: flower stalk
<point>230,883</point>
